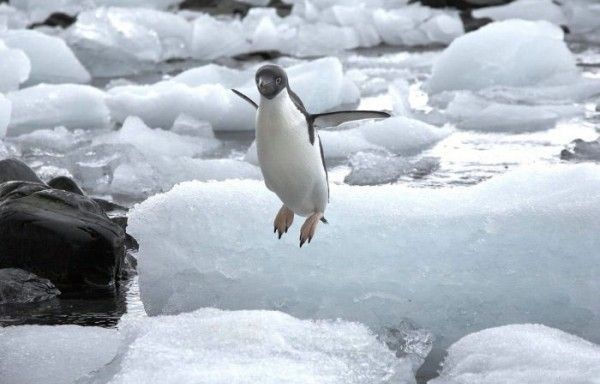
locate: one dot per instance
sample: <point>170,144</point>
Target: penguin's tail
<point>324,220</point>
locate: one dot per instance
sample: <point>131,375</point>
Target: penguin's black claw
<point>280,234</point>
<point>302,242</point>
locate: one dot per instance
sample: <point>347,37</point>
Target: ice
<point>57,140</point>
<point>187,125</point>
<point>526,10</point>
<point>397,134</point>
<point>14,66</point>
<point>231,39</point>
<point>370,168</point>
<point>39,10</point>
<point>47,106</point>
<point>417,25</point>
<point>12,18</point>
<point>118,41</point>
<point>52,61</point>
<point>5,112</point>
<point>158,142</point>
<point>426,258</point>
<point>509,53</point>
<point>469,111</point>
<point>583,19</point>
<point>521,353</point>
<point>31,354</point>
<point>213,346</point>
<point>199,93</point>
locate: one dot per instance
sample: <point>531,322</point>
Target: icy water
<point>464,158</point>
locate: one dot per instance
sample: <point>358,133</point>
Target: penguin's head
<point>270,80</point>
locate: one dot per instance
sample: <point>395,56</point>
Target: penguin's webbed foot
<point>283,221</point>
<point>309,227</point>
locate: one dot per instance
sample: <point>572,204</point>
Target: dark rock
<point>66,184</point>
<point>231,7</point>
<point>57,19</point>
<point>20,287</point>
<point>461,4</point>
<point>471,23</point>
<point>13,169</point>
<point>59,235</point>
<point>580,150</point>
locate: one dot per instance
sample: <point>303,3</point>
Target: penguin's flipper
<point>249,100</point>
<point>333,119</point>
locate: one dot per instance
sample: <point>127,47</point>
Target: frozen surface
<point>521,353</point>
<point>509,53</point>
<point>417,25</point>
<point>372,168</point>
<point>213,346</point>
<point>14,66</point>
<point>469,111</point>
<point>526,10</point>
<point>39,10</point>
<point>157,142</point>
<point>453,260</point>
<point>32,354</point>
<point>52,61</point>
<point>47,106</point>
<point>114,41</point>
<point>204,93</point>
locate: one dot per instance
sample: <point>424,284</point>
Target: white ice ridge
<point>52,61</point>
<point>204,93</point>
<point>5,112</point>
<point>51,105</point>
<point>521,353</point>
<point>15,67</point>
<point>32,354</point>
<point>508,53</point>
<point>221,347</point>
<point>454,260</point>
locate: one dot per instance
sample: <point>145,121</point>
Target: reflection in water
<point>92,310</point>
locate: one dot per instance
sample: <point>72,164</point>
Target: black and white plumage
<point>289,150</point>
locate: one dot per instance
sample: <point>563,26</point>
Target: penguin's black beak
<point>266,85</point>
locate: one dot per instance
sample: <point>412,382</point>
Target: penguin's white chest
<point>291,165</point>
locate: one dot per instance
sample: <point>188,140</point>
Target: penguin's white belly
<point>291,165</point>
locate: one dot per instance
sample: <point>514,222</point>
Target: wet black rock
<point>56,19</point>
<point>57,234</point>
<point>580,150</point>
<point>461,4</point>
<point>21,287</point>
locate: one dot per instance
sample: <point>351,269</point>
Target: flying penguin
<point>289,150</point>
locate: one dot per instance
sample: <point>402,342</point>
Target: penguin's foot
<point>309,227</point>
<point>283,220</point>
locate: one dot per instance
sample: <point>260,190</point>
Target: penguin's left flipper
<point>333,119</point>
<point>249,100</point>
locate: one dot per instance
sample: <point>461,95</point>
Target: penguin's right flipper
<point>249,100</point>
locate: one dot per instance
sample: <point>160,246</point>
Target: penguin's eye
<point>278,80</point>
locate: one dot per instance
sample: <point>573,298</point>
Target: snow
<point>526,10</point>
<point>14,66</point>
<point>521,353</point>
<point>47,106</point>
<point>52,61</point>
<point>117,41</point>
<point>213,346</point>
<point>32,354</point>
<point>508,53</point>
<point>454,260</point>
<point>204,94</point>
<point>157,142</point>
<point>5,112</point>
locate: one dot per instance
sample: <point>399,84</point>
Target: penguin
<point>290,153</point>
